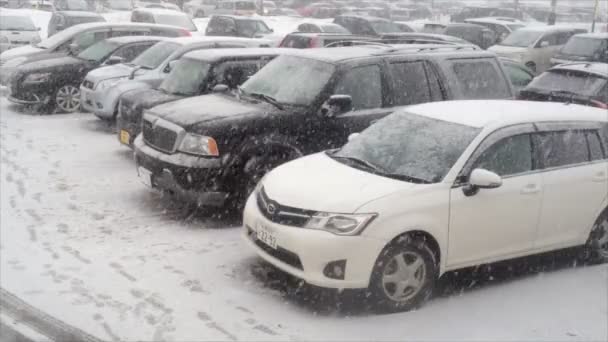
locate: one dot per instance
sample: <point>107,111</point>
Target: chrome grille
<point>282,214</point>
<point>160,134</point>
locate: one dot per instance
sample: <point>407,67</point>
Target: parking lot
<point>84,241</point>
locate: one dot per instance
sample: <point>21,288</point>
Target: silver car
<point>102,87</point>
<point>17,30</point>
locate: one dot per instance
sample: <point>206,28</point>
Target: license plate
<point>145,176</point>
<point>266,236</point>
<point>125,137</point>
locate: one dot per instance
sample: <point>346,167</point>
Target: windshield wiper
<point>362,162</point>
<point>267,99</point>
<point>406,178</point>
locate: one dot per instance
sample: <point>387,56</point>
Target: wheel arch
<point>423,235</point>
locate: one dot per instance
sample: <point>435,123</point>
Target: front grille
<point>288,257</point>
<point>282,214</point>
<point>159,137</point>
<point>88,84</point>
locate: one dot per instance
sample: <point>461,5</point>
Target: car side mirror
<point>353,136</point>
<point>482,179</point>
<point>336,105</point>
<point>114,60</point>
<point>220,88</point>
<point>544,44</point>
<point>133,71</point>
<point>171,65</point>
<point>73,49</point>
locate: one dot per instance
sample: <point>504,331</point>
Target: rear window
<point>479,79</point>
<point>584,46</point>
<point>568,81</point>
<point>245,5</point>
<point>80,20</point>
<point>297,42</point>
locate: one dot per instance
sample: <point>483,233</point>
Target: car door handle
<point>530,189</point>
<point>600,177</point>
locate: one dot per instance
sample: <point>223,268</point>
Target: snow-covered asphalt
<point>84,241</point>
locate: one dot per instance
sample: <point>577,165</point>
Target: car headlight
<point>199,145</point>
<point>13,62</point>
<point>105,84</point>
<point>340,224</point>
<point>39,77</point>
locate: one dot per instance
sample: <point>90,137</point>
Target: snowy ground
<point>82,240</point>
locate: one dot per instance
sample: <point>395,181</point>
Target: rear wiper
<point>267,99</point>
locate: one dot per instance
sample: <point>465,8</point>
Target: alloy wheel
<point>68,98</point>
<point>404,276</point>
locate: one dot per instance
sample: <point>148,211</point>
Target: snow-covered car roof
<point>548,28</point>
<point>80,14</point>
<point>135,39</point>
<point>216,54</point>
<point>596,35</point>
<point>214,39</point>
<point>494,20</point>
<point>482,113</point>
<point>158,11</point>
<point>599,69</point>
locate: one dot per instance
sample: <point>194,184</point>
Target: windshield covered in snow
<point>155,55</point>
<point>178,20</point>
<point>97,52</point>
<point>59,38</point>
<point>16,23</point>
<point>566,81</point>
<point>521,38</point>
<point>288,79</point>
<point>584,46</point>
<point>186,79</point>
<point>410,147</point>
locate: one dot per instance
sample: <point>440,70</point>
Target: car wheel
<point>404,276</point>
<point>67,98</point>
<point>596,248</point>
<point>531,66</point>
<point>254,169</point>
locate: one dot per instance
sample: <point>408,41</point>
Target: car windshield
<point>176,20</point>
<point>568,81</point>
<point>583,46</point>
<point>410,146</point>
<point>251,27</point>
<point>60,38</point>
<point>98,51</point>
<point>381,26</point>
<point>155,55</point>
<point>186,78</point>
<point>521,38</point>
<point>288,80</point>
<point>16,23</point>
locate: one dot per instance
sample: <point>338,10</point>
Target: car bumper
<point>307,253</point>
<point>98,102</point>
<point>127,130</point>
<point>190,178</point>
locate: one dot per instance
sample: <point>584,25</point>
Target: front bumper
<point>127,130</point>
<point>190,178</point>
<point>305,253</point>
<point>101,103</point>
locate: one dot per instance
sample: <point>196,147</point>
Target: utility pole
<point>597,5</point>
<point>553,14</point>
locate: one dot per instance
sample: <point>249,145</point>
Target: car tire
<point>67,98</point>
<point>404,276</point>
<point>531,66</point>
<point>595,250</point>
<point>253,170</point>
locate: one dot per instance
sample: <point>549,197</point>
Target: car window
<point>409,83</point>
<point>222,25</point>
<point>563,148</point>
<point>235,73</point>
<point>509,156</point>
<point>86,39</point>
<point>562,37</point>
<point>480,80</point>
<point>129,32</point>
<point>518,77</point>
<point>551,38</point>
<point>296,42</point>
<point>129,52</point>
<point>596,152</point>
<point>365,95</point>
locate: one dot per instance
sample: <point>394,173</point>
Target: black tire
<point>595,250</point>
<point>384,296</point>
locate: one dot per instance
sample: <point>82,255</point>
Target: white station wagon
<point>433,188</point>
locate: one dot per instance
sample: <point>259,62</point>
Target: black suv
<point>196,73</point>
<point>212,150</point>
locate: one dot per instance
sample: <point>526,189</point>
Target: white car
<point>534,46</point>
<point>17,29</point>
<point>433,188</point>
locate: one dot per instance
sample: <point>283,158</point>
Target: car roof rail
<point>405,41</point>
<point>355,43</point>
<point>435,48</point>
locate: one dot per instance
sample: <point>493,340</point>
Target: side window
<point>603,94</point>
<point>562,37</point>
<point>518,77</point>
<point>563,148</point>
<point>509,156</point>
<point>223,25</point>
<point>409,83</point>
<point>86,39</point>
<point>129,52</point>
<point>365,94</point>
<point>479,79</point>
<point>434,83</point>
<point>165,32</point>
<point>551,38</point>
<point>234,74</point>
<point>129,32</point>
<point>596,152</point>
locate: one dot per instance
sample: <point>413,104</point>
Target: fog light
<point>335,269</point>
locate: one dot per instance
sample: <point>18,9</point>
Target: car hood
<point>19,52</point>
<point>109,72</point>
<point>148,98</point>
<point>507,50</point>
<point>318,182</point>
<point>53,64</point>
<point>572,58</point>
<point>199,109</point>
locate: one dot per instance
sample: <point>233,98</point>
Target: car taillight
<point>599,104</point>
<point>186,32</point>
<point>314,42</point>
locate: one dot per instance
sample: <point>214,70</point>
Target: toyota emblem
<point>271,208</point>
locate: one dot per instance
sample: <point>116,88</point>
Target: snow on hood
<point>317,182</point>
<point>19,52</point>
<point>50,63</point>
<point>109,72</point>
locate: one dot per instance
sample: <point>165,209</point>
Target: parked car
<point>61,20</point>
<point>582,83</point>
<point>196,73</point>
<point>200,8</point>
<point>284,11</point>
<point>470,12</point>
<point>78,38</point>
<point>586,47</point>
<point>421,38</point>
<point>54,83</point>
<point>366,26</point>
<point>17,30</point>
<point>212,150</point>
<point>299,40</point>
<point>163,16</point>
<point>237,26</point>
<point>519,75</point>
<point>117,5</point>
<point>472,33</point>
<point>72,5</point>
<point>502,27</point>
<point>322,28</point>
<point>164,5</point>
<point>535,45</point>
<point>234,7</point>
<point>433,188</point>
<point>103,87</point>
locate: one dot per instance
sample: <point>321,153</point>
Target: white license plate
<point>145,176</point>
<point>266,236</point>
